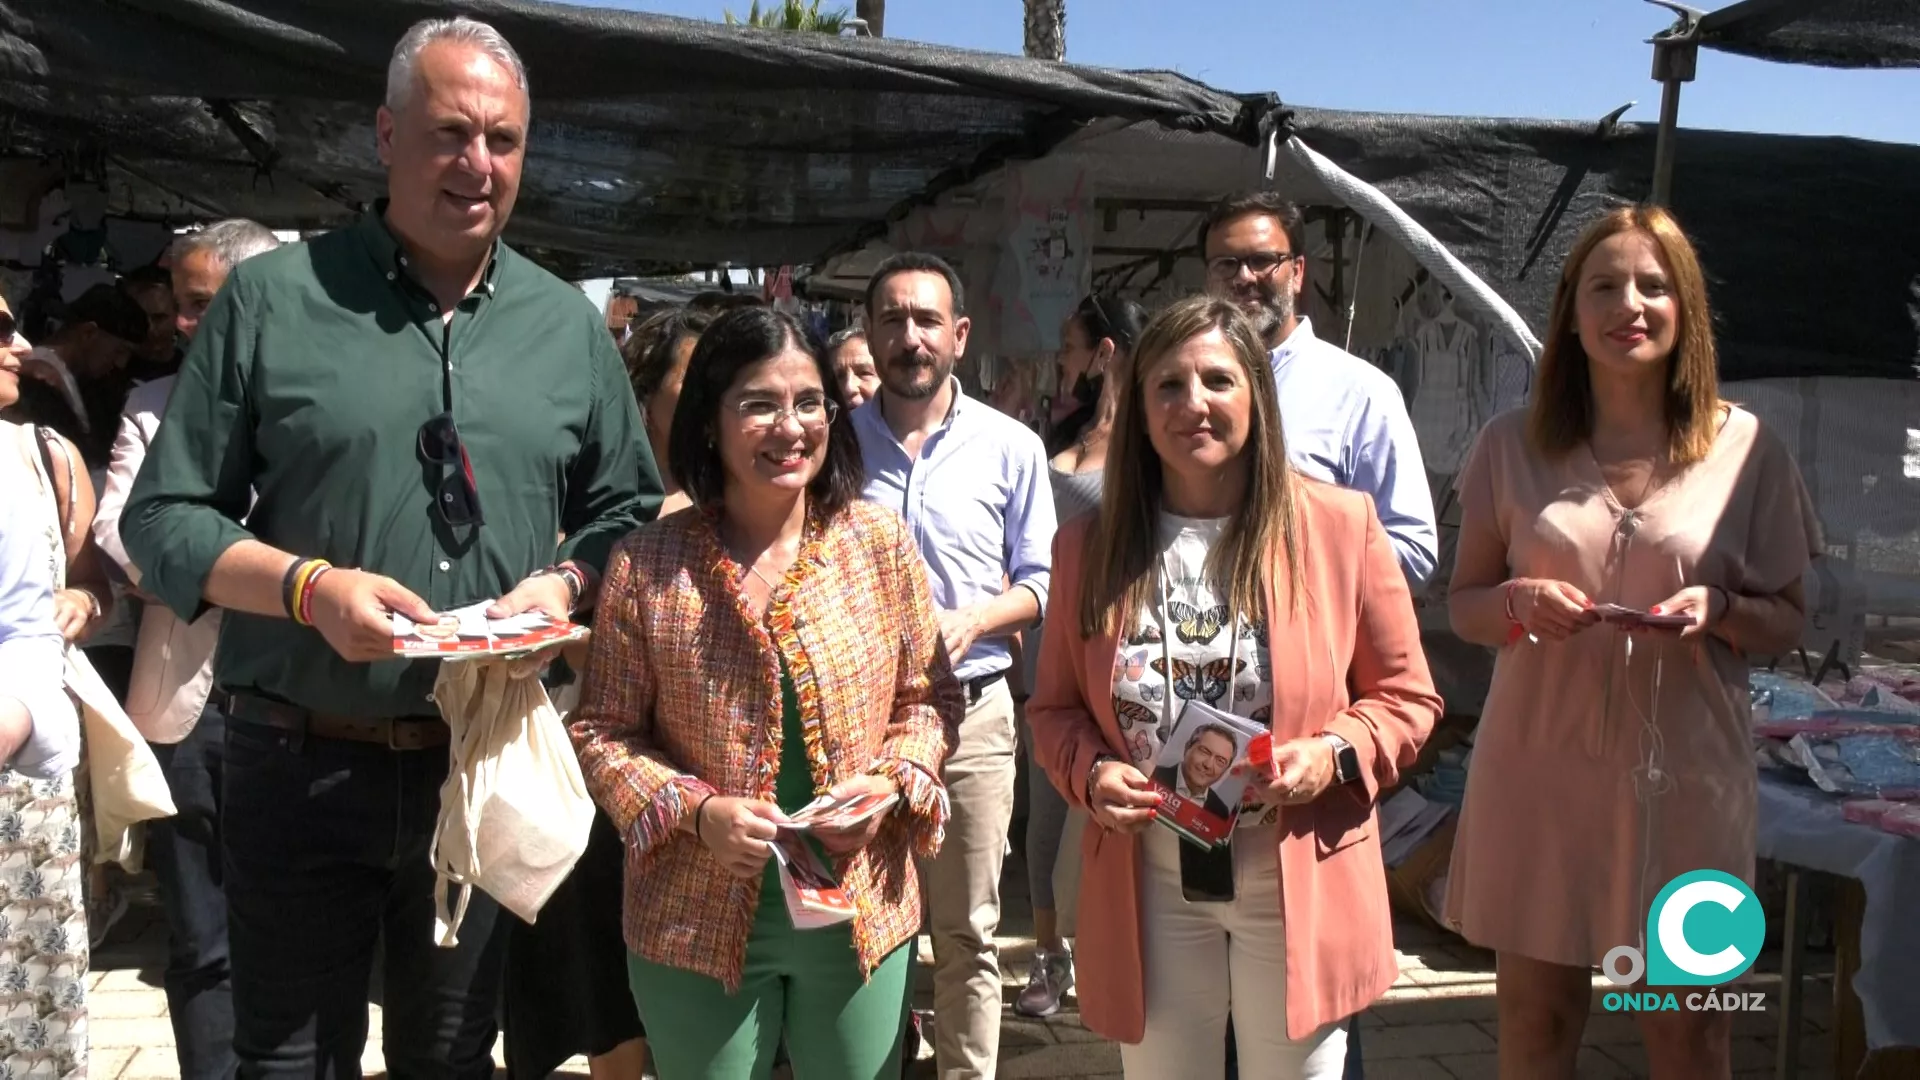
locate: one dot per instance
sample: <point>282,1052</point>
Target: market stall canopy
<point>1827,33</point>
<point>1811,245</point>
<point>657,142</point>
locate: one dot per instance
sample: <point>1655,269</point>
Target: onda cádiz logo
<point>1704,929</point>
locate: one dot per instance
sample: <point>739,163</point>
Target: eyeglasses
<point>457,498</point>
<point>764,414</point>
<point>7,327</point>
<point>1261,263</point>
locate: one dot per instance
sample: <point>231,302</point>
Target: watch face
<point>1347,764</point>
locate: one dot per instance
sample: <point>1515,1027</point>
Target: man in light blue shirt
<point>972,484</point>
<point>1344,419</point>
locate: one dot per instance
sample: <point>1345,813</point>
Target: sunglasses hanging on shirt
<point>457,497</point>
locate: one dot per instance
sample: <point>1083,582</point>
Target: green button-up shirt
<point>306,386</point>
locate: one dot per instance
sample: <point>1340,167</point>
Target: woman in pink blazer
<point>1214,573</point>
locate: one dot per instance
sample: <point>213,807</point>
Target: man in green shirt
<point>428,411</point>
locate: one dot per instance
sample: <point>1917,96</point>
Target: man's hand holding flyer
<point>466,634</point>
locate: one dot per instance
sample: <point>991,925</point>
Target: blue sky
<point>1567,59</point>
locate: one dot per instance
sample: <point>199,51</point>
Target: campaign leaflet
<point>826,812</point>
<point>1202,772</point>
<point>814,898</point>
<point>1630,618</point>
<point>467,634</point>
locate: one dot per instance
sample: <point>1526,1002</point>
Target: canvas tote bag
<point>514,811</point>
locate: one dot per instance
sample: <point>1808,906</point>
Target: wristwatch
<point>576,582</point>
<point>1346,760</point>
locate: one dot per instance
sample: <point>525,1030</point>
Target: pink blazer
<point>1348,662</point>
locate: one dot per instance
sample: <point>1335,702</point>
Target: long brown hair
<point>1118,572</point>
<point>1560,417</point>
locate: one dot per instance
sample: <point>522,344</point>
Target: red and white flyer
<point>826,812</point>
<point>467,634</point>
<point>814,898</point>
<point>1202,771</point>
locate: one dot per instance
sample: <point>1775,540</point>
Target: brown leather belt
<point>392,732</point>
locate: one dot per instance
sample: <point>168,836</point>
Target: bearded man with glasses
<point>1344,419</point>
<point>379,386</point>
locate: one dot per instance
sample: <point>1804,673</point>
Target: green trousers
<point>801,984</point>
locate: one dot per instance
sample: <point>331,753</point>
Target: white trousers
<point>1204,959</point>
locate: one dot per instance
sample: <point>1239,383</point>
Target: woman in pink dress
<point>1609,761</point>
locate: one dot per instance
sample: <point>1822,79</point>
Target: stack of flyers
<point>1202,771</point>
<point>826,812</point>
<point>814,898</point>
<point>466,633</point>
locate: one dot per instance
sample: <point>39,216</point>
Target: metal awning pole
<point>1676,56</point>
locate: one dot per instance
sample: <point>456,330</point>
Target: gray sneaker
<point>1047,983</point>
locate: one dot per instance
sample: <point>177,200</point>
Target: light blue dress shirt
<point>32,653</point>
<point>1346,423</point>
<point>979,503</point>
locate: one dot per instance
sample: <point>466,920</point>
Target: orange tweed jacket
<point>682,698</point>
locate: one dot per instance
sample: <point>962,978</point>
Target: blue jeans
<point>327,860</point>
<point>185,854</point>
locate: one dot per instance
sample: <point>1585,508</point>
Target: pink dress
<point>1606,766</point>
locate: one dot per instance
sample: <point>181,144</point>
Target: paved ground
<point>1436,1024</point>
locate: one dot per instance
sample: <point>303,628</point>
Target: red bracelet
<point>1515,630</point>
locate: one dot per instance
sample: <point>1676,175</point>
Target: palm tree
<point>1046,37</point>
<point>875,14</point>
<point>792,15</point>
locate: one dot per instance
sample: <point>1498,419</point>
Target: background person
<point>1346,421</point>
<point>1096,344</point>
<point>853,366</point>
<point>152,288</point>
<point>95,342</point>
<point>656,356</point>
<point>40,733</point>
<point>1215,573</point>
<point>773,643</point>
<point>1607,764</point>
<point>189,741</point>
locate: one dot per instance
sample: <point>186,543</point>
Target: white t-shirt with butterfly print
<point>1181,648</point>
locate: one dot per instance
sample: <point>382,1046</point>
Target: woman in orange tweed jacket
<point>775,642</point>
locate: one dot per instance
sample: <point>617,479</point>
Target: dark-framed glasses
<point>8,327</point>
<point>764,414</point>
<point>1260,264</point>
<point>457,497</point>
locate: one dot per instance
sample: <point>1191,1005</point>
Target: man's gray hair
<point>402,70</point>
<point>851,333</point>
<point>232,241</point>
<point>1205,730</point>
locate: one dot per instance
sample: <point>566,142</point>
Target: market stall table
<point>1803,828</point>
